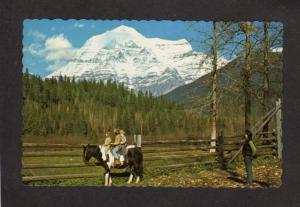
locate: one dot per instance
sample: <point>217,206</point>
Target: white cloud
<point>79,25</point>
<point>38,36</point>
<point>57,50</point>
<point>35,49</point>
<point>57,42</point>
<point>63,54</point>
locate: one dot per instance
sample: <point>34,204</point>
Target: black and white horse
<point>134,158</point>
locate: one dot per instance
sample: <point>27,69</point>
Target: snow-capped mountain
<point>147,64</point>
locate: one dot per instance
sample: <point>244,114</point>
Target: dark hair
<point>116,131</point>
<point>249,133</point>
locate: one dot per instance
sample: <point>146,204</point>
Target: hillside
<point>229,81</point>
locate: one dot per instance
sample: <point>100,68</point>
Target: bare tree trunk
<point>214,91</point>
<point>142,123</point>
<point>266,83</point>
<point>246,74</point>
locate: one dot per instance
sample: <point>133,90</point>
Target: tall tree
<point>266,82</point>
<point>216,43</point>
<point>214,88</point>
<point>247,28</point>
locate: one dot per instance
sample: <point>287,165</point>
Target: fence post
<point>139,140</point>
<point>220,149</point>
<point>279,129</point>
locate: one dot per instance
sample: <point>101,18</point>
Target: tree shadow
<point>233,173</point>
<point>234,176</point>
<point>262,184</point>
<point>236,179</point>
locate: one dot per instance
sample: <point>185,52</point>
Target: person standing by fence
<point>249,151</point>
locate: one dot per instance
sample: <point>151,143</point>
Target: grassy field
<point>267,171</point>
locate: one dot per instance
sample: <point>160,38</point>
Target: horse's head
<point>90,151</point>
<point>86,155</point>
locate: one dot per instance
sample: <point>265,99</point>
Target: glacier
<point>140,63</point>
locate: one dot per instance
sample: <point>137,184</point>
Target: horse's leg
<point>137,179</point>
<point>130,178</point>
<point>131,174</point>
<point>110,181</point>
<point>107,175</point>
<point>138,167</point>
<point>106,178</point>
<point>109,166</point>
<point>141,170</point>
<point>137,172</point>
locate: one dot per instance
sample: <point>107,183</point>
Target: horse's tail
<point>129,155</point>
<point>141,170</point>
<point>139,162</point>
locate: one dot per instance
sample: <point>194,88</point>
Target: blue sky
<point>47,43</point>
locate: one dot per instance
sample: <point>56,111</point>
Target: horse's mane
<point>92,145</point>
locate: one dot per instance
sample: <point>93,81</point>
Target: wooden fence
<point>193,151</point>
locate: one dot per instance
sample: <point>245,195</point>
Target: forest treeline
<point>64,106</point>
<point>231,98</point>
<point>87,108</point>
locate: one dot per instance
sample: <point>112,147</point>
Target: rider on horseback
<point>116,146</point>
<point>107,142</point>
<point>123,144</point>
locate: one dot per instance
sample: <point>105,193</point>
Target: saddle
<point>120,162</point>
<point>108,157</point>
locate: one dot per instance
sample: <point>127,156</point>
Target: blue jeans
<point>115,152</point>
<point>123,150</point>
<point>248,165</point>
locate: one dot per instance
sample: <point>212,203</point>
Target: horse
<point>134,161</point>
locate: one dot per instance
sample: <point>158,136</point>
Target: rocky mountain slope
<point>143,64</point>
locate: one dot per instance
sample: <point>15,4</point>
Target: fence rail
<point>95,175</point>
<point>67,165</point>
<point>158,142</point>
<point>196,150</point>
<point>46,145</point>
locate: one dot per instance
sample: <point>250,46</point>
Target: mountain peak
<point>124,28</point>
<point>126,56</point>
